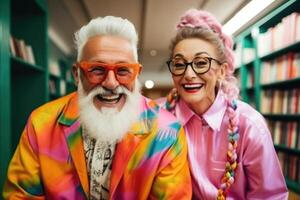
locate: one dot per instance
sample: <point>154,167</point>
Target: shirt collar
<point>213,116</point>
<point>183,112</point>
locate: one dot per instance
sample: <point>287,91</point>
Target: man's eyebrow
<point>178,55</point>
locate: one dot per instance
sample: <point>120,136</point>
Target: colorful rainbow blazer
<point>49,163</point>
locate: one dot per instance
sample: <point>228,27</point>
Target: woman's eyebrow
<point>200,53</point>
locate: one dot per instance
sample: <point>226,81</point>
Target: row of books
<point>280,101</point>
<point>285,133</point>
<point>238,54</point>
<point>247,56</point>
<point>282,68</point>
<point>56,70</point>
<point>19,48</point>
<point>69,75</point>
<point>250,77</point>
<point>290,166</point>
<point>285,33</point>
<point>57,87</point>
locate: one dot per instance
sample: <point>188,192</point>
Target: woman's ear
<point>222,71</point>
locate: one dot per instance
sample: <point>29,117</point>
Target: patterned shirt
<point>98,155</point>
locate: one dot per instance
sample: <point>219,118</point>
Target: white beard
<point>108,124</point>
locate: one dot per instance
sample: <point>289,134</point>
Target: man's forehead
<point>106,47</point>
<point>108,41</point>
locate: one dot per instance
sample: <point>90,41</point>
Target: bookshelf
<point>61,80</point>
<point>269,73</point>
<point>23,84</point>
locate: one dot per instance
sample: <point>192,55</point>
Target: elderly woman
<point>231,154</point>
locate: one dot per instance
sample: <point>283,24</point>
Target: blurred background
<point>37,52</point>
<point>155,21</point>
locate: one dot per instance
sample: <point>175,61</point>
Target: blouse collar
<point>213,116</point>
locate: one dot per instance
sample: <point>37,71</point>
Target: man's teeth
<point>109,98</point>
<point>192,86</point>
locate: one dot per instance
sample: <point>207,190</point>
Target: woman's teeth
<point>192,86</point>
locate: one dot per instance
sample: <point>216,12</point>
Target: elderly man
<point>105,141</point>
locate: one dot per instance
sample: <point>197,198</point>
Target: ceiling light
<point>153,52</point>
<point>245,15</point>
<point>149,84</point>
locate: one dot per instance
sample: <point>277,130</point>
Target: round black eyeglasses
<point>200,65</point>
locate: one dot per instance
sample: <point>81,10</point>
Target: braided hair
<point>201,24</point>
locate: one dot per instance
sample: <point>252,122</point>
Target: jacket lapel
<point>123,153</point>
<point>73,133</point>
<point>126,148</point>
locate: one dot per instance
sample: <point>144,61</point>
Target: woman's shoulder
<point>251,117</point>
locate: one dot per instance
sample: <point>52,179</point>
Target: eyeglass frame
<point>87,65</point>
<point>191,64</point>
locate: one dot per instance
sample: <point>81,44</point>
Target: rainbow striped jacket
<point>49,163</point>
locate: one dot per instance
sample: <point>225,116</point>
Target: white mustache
<point>99,90</point>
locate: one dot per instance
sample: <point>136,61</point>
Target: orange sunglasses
<point>96,72</point>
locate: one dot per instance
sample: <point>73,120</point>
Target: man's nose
<point>110,81</point>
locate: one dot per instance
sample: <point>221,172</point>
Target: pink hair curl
<point>201,19</point>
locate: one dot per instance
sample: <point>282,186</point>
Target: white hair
<point>106,26</point>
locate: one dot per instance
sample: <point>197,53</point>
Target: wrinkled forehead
<point>108,49</point>
<point>189,48</point>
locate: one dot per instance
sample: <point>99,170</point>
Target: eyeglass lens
<point>200,65</point>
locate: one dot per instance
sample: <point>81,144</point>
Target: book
<point>52,87</point>
<point>30,55</point>
<point>12,46</point>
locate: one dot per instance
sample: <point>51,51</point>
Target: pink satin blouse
<point>258,175</point>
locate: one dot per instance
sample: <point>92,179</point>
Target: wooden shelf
<point>279,52</point>
<point>20,65</point>
<point>23,86</point>
<point>287,117</point>
<point>253,94</point>
<point>292,185</point>
<point>287,150</point>
<point>283,84</point>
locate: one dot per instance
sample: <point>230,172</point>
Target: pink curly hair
<point>206,24</point>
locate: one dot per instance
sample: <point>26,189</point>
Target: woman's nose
<point>189,72</point>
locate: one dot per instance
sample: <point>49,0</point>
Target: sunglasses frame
<point>87,65</point>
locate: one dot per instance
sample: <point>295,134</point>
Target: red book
<point>290,66</point>
<point>293,167</point>
<point>293,134</point>
<point>296,102</point>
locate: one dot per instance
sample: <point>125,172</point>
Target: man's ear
<point>141,68</point>
<point>75,73</point>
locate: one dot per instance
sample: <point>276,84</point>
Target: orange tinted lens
<point>126,72</point>
<point>97,72</point>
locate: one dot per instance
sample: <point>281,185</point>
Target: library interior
<point>37,53</point>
